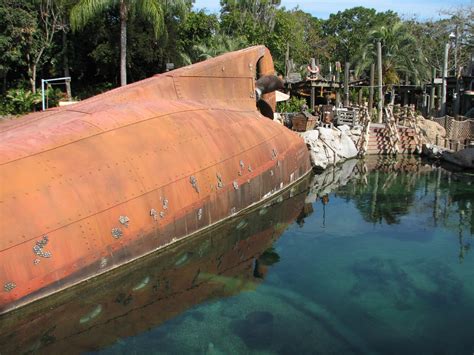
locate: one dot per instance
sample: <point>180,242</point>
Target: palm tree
<point>152,10</point>
<point>401,56</point>
<point>219,44</point>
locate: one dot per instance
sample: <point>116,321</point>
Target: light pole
<point>453,37</point>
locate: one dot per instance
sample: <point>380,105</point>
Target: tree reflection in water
<point>385,189</point>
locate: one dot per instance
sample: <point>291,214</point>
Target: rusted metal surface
<point>173,154</point>
<point>217,263</point>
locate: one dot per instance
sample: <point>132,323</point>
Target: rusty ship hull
<point>219,262</point>
<point>90,187</point>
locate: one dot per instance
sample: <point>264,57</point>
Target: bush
<point>19,101</point>
<point>294,104</point>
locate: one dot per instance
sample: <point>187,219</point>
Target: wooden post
<point>313,85</point>
<point>405,94</point>
<point>432,92</point>
<point>444,86</point>
<point>371,89</point>
<point>338,86</point>
<point>346,84</point>
<point>379,80</point>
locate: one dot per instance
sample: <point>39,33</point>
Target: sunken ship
<point>90,187</point>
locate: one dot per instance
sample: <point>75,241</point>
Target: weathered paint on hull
<point>90,187</point>
<point>220,262</point>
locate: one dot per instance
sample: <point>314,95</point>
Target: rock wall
<point>429,130</point>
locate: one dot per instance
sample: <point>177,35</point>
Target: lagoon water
<point>377,261</point>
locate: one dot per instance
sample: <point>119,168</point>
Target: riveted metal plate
<point>9,286</point>
<point>39,246</point>
<point>117,233</point>
<point>124,220</point>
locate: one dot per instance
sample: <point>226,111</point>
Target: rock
<point>328,146</point>
<point>432,151</point>
<point>344,128</point>
<point>463,158</point>
<point>347,148</point>
<point>430,129</point>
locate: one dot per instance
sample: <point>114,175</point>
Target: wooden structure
<point>379,140</point>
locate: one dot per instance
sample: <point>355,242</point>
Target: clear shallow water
<point>383,267</point>
<point>378,261</point>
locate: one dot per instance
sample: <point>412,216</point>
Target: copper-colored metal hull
<point>218,263</point>
<point>89,187</point>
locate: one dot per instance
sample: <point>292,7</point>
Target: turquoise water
<point>381,264</point>
<point>369,257</point>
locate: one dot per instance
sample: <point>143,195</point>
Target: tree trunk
<point>380,81</point>
<point>66,66</point>
<point>123,43</point>
<point>371,89</point>
<point>33,77</point>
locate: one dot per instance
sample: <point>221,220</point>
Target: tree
<point>401,55</point>
<point>152,10</point>
<point>219,44</point>
<point>348,29</point>
<point>28,29</point>
<point>195,32</point>
<point>252,19</point>
<point>17,22</point>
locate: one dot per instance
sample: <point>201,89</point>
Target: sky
<point>424,9</point>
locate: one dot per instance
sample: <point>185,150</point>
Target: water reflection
<point>232,258</point>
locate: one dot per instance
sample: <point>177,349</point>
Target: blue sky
<point>424,9</point>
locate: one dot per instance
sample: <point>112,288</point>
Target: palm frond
<point>85,10</point>
<point>152,10</point>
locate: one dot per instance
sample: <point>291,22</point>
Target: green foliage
<point>162,32</point>
<point>293,104</point>
<point>347,30</point>
<point>19,101</point>
<point>401,55</point>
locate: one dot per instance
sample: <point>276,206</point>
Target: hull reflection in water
<point>218,263</point>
